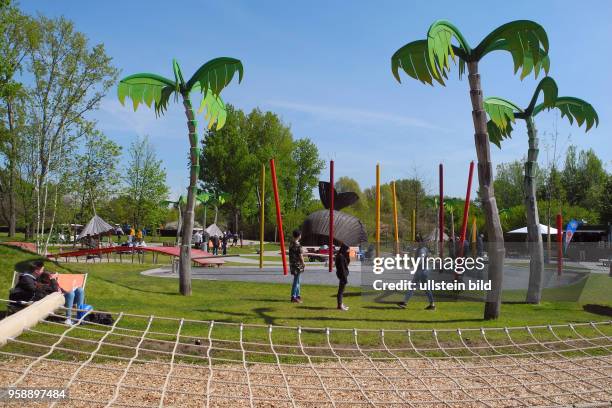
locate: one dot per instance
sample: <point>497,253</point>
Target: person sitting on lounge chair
<point>36,284</point>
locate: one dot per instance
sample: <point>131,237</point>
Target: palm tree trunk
<point>188,215</point>
<point>216,213</point>
<point>495,235</point>
<point>179,223</point>
<point>204,221</point>
<point>534,238</point>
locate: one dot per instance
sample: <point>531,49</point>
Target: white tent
<point>543,230</point>
<point>214,231</point>
<point>95,226</point>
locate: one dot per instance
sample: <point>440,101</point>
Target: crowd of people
<point>214,243</point>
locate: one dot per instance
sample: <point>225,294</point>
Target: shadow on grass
<point>136,288</point>
<point>598,309</point>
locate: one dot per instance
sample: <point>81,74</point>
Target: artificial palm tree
<point>428,60</point>
<point>502,114</point>
<point>209,80</point>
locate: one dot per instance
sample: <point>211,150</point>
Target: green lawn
<point>121,287</point>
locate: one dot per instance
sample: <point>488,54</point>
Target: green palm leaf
<point>525,40</point>
<point>549,89</point>
<point>439,46</point>
<point>215,75</point>
<point>502,114</point>
<point>215,110</point>
<point>413,59</point>
<point>573,108</point>
<point>496,135</point>
<point>203,197</point>
<point>146,88</point>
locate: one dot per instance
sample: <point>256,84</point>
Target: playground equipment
<point>466,208</point>
<point>262,216</point>
<point>395,223</point>
<point>156,361</point>
<point>279,217</point>
<point>441,210</point>
<point>377,210</point>
<point>332,193</point>
<point>199,257</point>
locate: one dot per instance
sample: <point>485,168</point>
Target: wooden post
<point>331,215</point>
<point>377,210</point>
<point>395,223</point>
<point>279,217</point>
<point>466,209</point>
<point>262,218</point>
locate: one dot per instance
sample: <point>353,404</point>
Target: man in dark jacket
<point>30,288</point>
<point>342,261</point>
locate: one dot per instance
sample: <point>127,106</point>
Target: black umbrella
<point>347,229</point>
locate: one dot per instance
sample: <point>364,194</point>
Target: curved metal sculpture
<point>348,229</point>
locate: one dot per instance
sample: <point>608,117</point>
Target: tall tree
<point>18,35</point>
<point>69,79</point>
<point>308,167</point>
<point>145,180</point>
<point>428,60</point>
<point>97,174</point>
<point>503,113</point>
<point>209,80</point>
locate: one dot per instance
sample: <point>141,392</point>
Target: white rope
<point>127,368</point>
<point>167,381</point>
<point>573,368</point>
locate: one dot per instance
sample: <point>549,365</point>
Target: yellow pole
<point>262,219</point>
<point>397,247</point>
<point>377,210</point>
<point>414,225</point>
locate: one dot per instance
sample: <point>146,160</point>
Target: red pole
<point>279,217</point>
<point>559,244</point>
<point>331,214</point>
<point>466,209</point>
<point>441,211</point>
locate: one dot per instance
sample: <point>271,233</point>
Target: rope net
<point>151,361</point>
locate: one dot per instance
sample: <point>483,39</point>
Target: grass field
<point>121,288</point>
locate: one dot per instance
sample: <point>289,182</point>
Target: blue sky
<point>324,67</point>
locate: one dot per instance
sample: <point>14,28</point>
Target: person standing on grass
<point>224,242</point>
<point>342,261</point>
<point>296,266</point>
<point>421,275</point>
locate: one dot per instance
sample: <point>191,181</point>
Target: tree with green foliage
<point>18,35</point>
<point>231,162</point>
<point>308,167</point>
<point>503,113</point>
<point>146,187</point>
<point>209,80</point>
<point>428,60</point>
<point>97,175</point>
